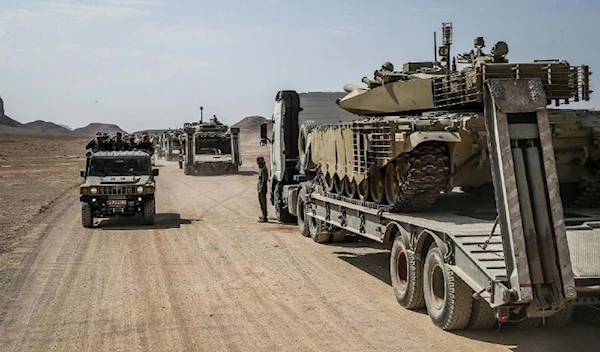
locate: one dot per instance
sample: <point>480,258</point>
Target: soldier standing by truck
<point>263,177</point>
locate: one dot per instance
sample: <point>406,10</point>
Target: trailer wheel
<point>149,212</point>
<point>406,276</point>
<point>482,316</point>
<point>87,220</point>
<point>447,297</point>
<point>561,318</point>
<point>301,212</point>
<point>317,231</point>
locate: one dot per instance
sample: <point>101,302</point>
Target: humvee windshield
<point>125,166</point>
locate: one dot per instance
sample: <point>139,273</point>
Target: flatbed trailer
<point>518,258</point>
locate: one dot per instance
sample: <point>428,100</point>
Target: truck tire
<point>406,276</point>
<point>283,216</point>
<point>186,170</point>
<point>87,220</point>
<point>561,318</point>
<point>303,148</point>
<point>317,231</point>
<point>482,316</point>
<point>447,298</point>
<point>149,212</point>
<point>301,212</point>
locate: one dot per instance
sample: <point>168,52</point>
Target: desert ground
<point>206,277</point>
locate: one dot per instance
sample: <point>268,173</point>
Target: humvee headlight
<point>94,190</point>
<point>139,189</point>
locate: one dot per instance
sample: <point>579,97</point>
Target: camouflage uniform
<point>118,144</point>
<point>263,178</point>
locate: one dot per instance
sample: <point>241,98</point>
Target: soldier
<point>118,144</point>
<point>263,177</point>
<point>94,143</point>
<point>131,140</point>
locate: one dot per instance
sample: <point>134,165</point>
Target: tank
<point>210,148</point>
<point>421,131</point>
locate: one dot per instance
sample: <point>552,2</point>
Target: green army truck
<point>117,183</point>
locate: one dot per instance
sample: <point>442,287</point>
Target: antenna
<point>435,47</point>
<point>201,114</point>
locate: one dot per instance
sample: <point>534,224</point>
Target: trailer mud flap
<point>527,194</point>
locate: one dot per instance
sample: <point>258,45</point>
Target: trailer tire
<point>561,318</point>
<point>406,276</point>
<point>447,297</point>
<point>87,220</point>
<point>149,212</point>
<point>301,212</point>
<point>317,232</point>
<point>482,316</point>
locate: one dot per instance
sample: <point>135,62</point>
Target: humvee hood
<point>119,180</point>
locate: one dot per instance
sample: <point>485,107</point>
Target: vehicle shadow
<point>578,335</point>
<point>161,221</point>
<point>248,172</point>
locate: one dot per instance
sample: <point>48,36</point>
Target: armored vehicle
<point>211,148</point>
<point>420,131</point>
<point>117,183</point>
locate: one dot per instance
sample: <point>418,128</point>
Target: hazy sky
<point>152,63</point>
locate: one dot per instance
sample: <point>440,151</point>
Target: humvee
<point>117,183</point>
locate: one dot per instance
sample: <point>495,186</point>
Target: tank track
<point>429,168</point>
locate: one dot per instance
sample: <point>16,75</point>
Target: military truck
<point>211,148</point>
<point>117,183</point>
<point>523,256</point>
<point>170,145</point>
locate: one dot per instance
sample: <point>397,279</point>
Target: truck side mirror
<point>154,172</point>
<point>82,173</point>
<point>263,134</point>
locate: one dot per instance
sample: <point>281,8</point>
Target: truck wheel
<point>149,212</point>
<point>283,216</point>
<point>301,211</point>
<point>561,318</point>
<point>406,276</point>
<point>317,232</point>
<point>87,220</point>
<point>186,170</point>
<point>482,316</point>
<point>447,297</point>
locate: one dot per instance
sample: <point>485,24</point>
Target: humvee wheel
<point>149,212</point>
<point>350,188</point>
<point>364,193</point>
<point>87,220</point>
<point>448,299</point>
<point>377,187</point>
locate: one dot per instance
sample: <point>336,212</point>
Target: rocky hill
<point>250,123</point>
<point>46,127</point>
<point>92,128</point>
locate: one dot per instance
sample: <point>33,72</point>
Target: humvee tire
<point>149,212</point>
<point>87,220</point>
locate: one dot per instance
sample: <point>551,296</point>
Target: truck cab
<point>117,183</point>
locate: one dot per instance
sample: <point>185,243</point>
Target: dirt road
<point>208,277</point>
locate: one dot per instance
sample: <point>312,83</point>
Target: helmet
<point>388,66</point>
<point>260,159</point>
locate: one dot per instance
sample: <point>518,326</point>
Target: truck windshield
<point>119,166</point>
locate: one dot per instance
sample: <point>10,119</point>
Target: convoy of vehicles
<point>390,178</point>
<point>387,163</point>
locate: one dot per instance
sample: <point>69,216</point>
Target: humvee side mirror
<point>154,172</point>
<point>82,173</point>
<point>263,134</point>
